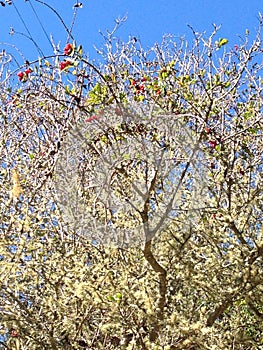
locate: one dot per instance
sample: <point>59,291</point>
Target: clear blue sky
<point>147,19</point>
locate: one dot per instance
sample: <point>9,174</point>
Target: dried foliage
<point>197,283</point>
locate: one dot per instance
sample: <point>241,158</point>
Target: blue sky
<point>147,20</point>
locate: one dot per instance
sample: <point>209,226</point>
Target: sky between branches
<point>148,20</point>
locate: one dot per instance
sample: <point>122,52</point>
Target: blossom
<point>14,333</point>
<point>90,119</point>
<point>23,75</point>
<point>140,89</point>
<point>20,75</point>
<point>212,144</point>
<point>118,111</point>
<point>68,49</point>
<point>28,71</point>
<point>65,64</point>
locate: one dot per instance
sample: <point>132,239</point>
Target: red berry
<point>207,130</point>
<point>144,79</point>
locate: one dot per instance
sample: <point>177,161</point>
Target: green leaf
<point>126,156</point>
<point>104,139</point>
<point>97,88</point>
<point>118,296</point>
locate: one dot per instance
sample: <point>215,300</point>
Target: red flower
<point>90,119</point>
<point>118,111</point>
<point>14,333</point>
<point>141,88</point>
<point>28,71</point>
<point>65,64</point>
<point>236,47</point>
<point>68,49</point>
<point>20,75</point>
<point>213,144</point>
